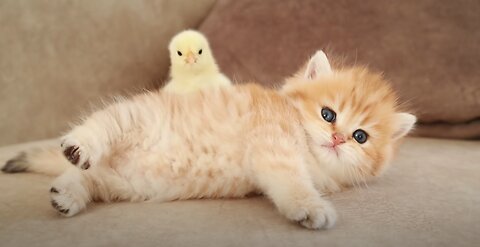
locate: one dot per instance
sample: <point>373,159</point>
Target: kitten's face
<point>351,121</point>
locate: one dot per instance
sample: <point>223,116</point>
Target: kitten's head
<point>351,117</point>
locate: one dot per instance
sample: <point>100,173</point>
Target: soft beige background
<point>57,58</point>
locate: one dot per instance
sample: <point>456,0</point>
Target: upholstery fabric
<point>58,59</point>
<point>429,49</point>
<point>428,197</point>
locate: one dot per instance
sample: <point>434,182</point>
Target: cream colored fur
<point>48,160</point>
<point>224,142</point>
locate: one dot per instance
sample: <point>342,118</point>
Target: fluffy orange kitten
<point>324,130</point>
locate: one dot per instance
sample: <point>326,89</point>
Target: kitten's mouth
<point>331,148</point>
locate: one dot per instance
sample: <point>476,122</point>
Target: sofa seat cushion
<point>429,197</point>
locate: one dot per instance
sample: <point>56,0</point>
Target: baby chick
<point>192,64</point>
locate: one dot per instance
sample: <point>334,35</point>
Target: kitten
<point>324,130</point>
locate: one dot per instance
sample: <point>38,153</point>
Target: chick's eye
<point>328,114</point>
<point>360,136</point>
<point>200,52</point>
<point>179,53</point>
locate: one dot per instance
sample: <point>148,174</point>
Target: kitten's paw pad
<point>76,154</point>
<point>319,216</point>
<point>64,203</point>
<point>72,154</point>
<point>59,208</point>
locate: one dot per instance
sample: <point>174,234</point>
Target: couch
<point>61,59</point>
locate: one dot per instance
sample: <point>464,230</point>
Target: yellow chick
<point>192,64</point>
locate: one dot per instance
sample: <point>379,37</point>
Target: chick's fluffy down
<point>193,66</point>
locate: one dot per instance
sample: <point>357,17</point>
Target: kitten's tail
<point>45,160</point>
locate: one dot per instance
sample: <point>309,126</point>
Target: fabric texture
<point>61,58</point>
<point>430,50</point>
<point>429,197</point>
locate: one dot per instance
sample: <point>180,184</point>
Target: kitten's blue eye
<point>360,136</point>
<point>179,53</point>
<point>328,114</point>
<point>200,52</point>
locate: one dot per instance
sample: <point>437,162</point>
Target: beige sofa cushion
<point>60,57</point>
<point>429,49</point>
<point>429,197</point>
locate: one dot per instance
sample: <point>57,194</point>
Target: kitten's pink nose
<point>337,139</point>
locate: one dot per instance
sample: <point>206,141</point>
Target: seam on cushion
<point>475,120</point>
<point>241,64</point>
<point>207,15</point>
<point>230,54</point>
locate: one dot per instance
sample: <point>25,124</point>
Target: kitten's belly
<point>210,183</point>
<point>182,169</point>
<point>205,172</point>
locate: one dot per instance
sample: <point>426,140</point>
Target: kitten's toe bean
<point>85,165</point>
<point>72,154</point>
<point>59,208</point>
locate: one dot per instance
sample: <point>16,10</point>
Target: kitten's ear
<point>318,65</point>
<point>404,123</point>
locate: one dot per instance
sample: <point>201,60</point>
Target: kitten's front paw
<point>76,153</point>
<point>314,215</point>
<point>64,202</point>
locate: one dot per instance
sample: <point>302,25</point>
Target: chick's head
<point>190,50</point>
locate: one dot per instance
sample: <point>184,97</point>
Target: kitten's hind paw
<point>16,164</point>
<point>64,203</point>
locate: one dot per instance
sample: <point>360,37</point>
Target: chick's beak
<point>190,58</point>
